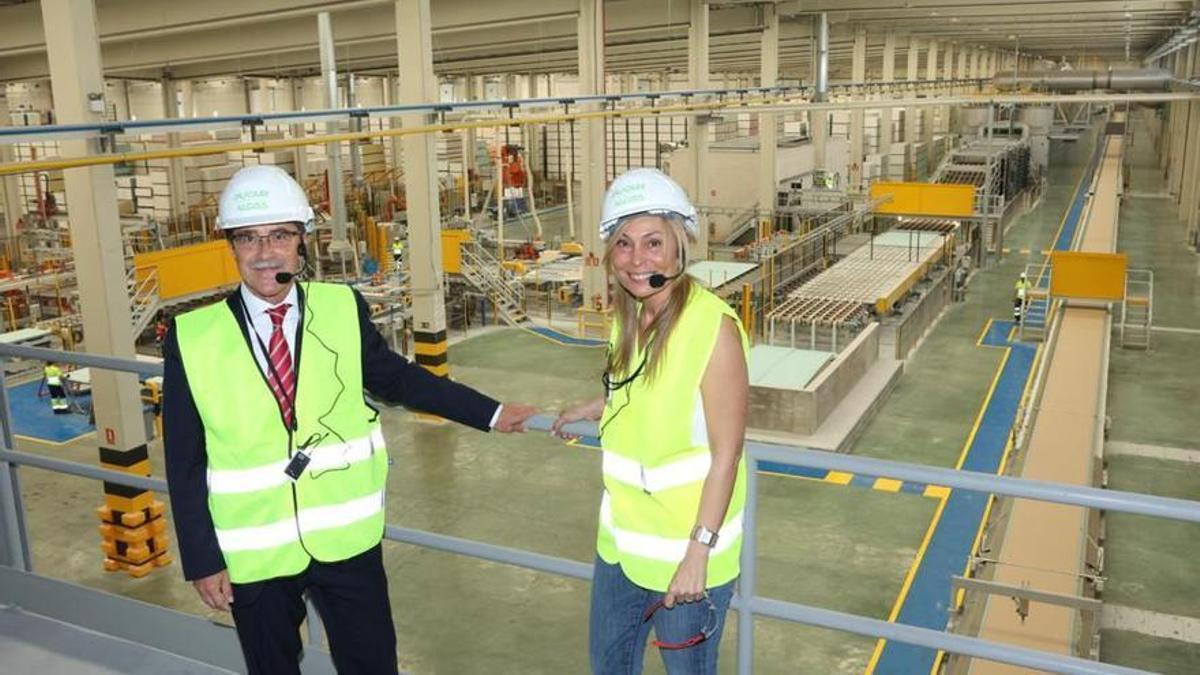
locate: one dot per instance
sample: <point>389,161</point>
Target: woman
<point>672,421</point>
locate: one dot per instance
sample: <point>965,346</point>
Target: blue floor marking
<point>1067,235</point>
<point>566,339</point>
<point>928,599</point>
<point>33,417</point>
<point>789,470</point>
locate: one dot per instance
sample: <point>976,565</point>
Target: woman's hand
<point>688,584</point>
<point>588,410</point>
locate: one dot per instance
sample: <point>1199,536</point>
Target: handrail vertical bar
<point>16,542</point>
<point>746,590</point>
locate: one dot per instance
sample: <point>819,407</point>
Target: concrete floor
<point>844,548</point>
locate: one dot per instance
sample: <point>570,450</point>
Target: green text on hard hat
<point>629,194</point>
<point>250,199</point>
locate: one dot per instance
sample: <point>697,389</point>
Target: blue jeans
<point>617,634</point>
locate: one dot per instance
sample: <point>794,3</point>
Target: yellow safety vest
<point>53,375</point>
<point>267,526</point>
<point>656,457</point>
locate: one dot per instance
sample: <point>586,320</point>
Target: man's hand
<point>512,417</point>
<point>215,590</point>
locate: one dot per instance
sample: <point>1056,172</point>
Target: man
<point>397,251</point>
<point>275,460</point>
<point>54,383</point>
<point>1019,290</point>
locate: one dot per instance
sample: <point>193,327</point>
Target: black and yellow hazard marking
<point>430,352</point>
<point>132,526</point>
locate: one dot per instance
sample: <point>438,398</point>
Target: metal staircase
<point>1137,309</point>
<point>143,298</point>
<point>484,272</point>
<point>1035,311</point>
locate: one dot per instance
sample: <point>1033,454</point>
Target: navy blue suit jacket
<point>385,374</point>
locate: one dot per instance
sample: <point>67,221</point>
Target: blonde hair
<point>655,336</point>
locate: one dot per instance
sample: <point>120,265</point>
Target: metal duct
<point>1130,79</point>
<point>822,55</point>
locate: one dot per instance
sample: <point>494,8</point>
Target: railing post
<point>15,549</point>
<point>745,637</point>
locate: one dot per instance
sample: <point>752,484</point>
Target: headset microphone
<point>284,277</point>
<point>656,280</point>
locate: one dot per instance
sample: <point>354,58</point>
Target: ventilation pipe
<point>1132,79</point>
<point>822,55</point>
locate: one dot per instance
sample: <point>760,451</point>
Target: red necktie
<point>282,378</point>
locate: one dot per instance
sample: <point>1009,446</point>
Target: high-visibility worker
<point>58,394</point>
<point>276,463</point>
<point>1020,289</point>
<point>672,422</point>
<point>397,250</point>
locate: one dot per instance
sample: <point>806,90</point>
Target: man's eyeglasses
<point>707,631</point>
<point>273,239</point>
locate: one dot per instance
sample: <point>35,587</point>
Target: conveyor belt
<point>1045,545</point>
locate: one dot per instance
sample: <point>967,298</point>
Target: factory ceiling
<point>278,37</point>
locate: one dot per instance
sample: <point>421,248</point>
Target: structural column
<point>858,73</point>
<point>1179,131</point>
<point>767,132</point>
<point>698,128</point>
<point>912,74</point>
<point>414,44</point>
<point>592,156</point>
<point>974,67</point>
<point>1188,188</point>
<point>11,186</point>
<point>888,74</point>
<point>176,177</point>
<point>931,73</point>
<point>73,50</point>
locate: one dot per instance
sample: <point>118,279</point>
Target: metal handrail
<point>747,604</point>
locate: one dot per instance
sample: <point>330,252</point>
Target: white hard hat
<point>645,191</point>
<point>1023,275</point>
<point>261,195</point>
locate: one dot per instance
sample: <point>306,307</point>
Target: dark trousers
<point>352,598</point>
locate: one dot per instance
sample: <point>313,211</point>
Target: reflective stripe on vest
<point>324,458</point>
<point>309,520</point>
<point>664,477</point>
<point>663,548</point>
<point>267,525</point>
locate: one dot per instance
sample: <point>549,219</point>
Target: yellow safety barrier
<point>1088,276</point>
<point>926,199</point>
<point>187,270</point>
<point>452,241</point>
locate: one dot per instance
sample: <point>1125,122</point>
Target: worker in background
<point>397,251</point>
<point>276,462</point>
<point>962,271</point>
<point>54,383</point>
<point>672,421</point>
<point>1019,290</point>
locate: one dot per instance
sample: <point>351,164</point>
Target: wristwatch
<point>705,536</point>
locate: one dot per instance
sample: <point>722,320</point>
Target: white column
<point>858,73</point>
<point>73,50</point>
<point>414,46</point>
<point>767,133</point>
<point>913,74</point>
<point>931,61</point>
<point>11,185</point>
<point>888,74</point>
<point>176,177</point>
<point>591,152</point>
<point>698,133</point>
